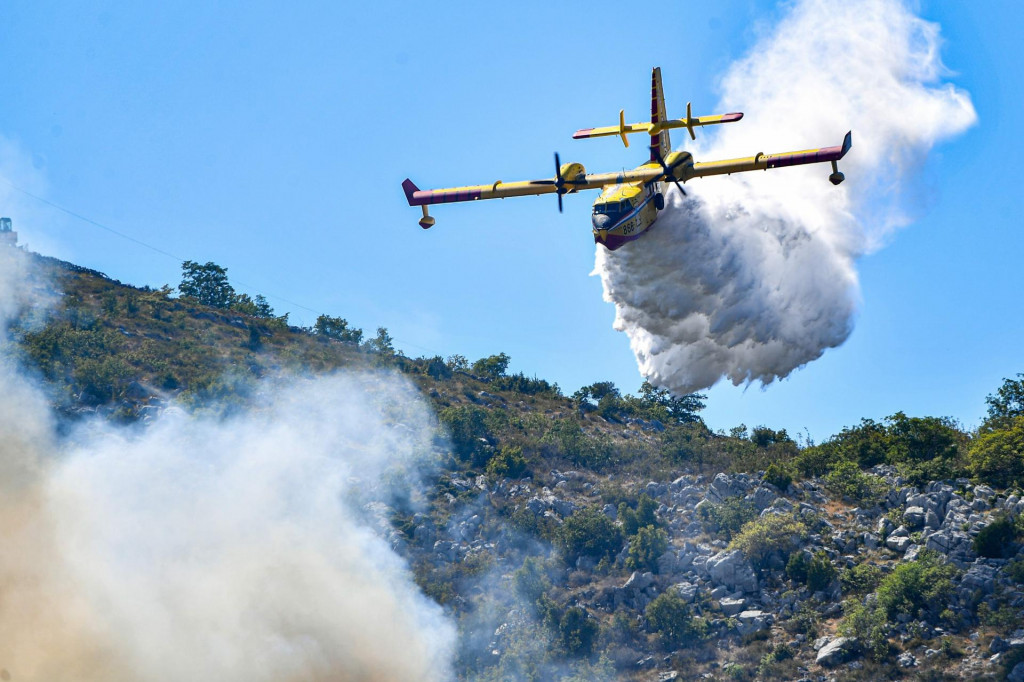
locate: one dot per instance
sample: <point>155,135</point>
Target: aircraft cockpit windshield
<point>614,208</point>
<point>607,214</point>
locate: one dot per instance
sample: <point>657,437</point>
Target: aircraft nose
<point>602,221</point>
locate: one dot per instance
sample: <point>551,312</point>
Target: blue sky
<point>273,141</point>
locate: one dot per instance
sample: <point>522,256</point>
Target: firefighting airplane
<point>630,200</point>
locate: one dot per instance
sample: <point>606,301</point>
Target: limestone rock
<point>732,570</point>
<point>836,651</point>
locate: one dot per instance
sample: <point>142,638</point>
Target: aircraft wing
<point>766,161</point>
<point>503,190</point>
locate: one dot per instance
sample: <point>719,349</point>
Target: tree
<point>382,344</point>
<point>207,284</point>
<point>590,533</point>
<point>644,514</point>
<point>645,548</point>
<point>457,363</point>
<point>337,328</point>
<point>847,480</point>
<point>468,429</point>
<point>1008,401</point>
<point>865,444</point>
<point>508,462</point>
<point>530,581</point>
<point>764,437</point>
<point>760,538</point>
<point>669,616</point>
<point>577,632</point>
<point>680,410</point>
<point>997,457</point>
<point>602,394</point>
<point>925,448</point>
<point>492,367</point>
<point>996,540</point>
<point>917,586</point>
<point>256,307</point>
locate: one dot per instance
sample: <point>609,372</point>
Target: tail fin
<point>660,143</point>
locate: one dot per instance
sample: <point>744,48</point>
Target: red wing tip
<point>583,132</point>
<point>735,116</point>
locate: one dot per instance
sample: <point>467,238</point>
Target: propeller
<point>559,182</point>
<point>668,172</point>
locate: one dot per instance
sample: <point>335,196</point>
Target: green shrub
<point>860,578</point>
<point>588,532</point>
<point>868,623</point>
<point>508,462</point>
<point>768,534</point>
<point>996,539</point>
<point>570,441</point>
<point>847,480</point>
<point>727,518</point>
<point>469,433</point>
<point>520,383</point>
<point>917,587</point>
<point>817,572</point>
<point>796,567</point>
<point>576,632</point>
<point>1015,569</point>
<point>820,572</point>
<point>996,458</point>
<point>669,617</point>
<point>1007,403</point>
<point>645,547</point>
<point>530,581</point>
<point>492,367</point>
<point>925,448</point>
<point>817,460</point>
<point>778,475</point>
<point>643,515</point>
<point>769,666</point>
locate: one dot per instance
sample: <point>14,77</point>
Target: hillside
<point>610,536</point>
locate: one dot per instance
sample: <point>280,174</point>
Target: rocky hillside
<point>612,536</point>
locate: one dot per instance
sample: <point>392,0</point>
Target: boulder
<point>836,651</point>
<point>914,517</point>
<point>954,544</point>
<point>753,621</point>
<point>978,578</point>
<point>732,570</point>
<point>731,607</point>
<point>906,660</point>
<point>724,487</point>
<point>898,543</point>
<point>761,498</point>
<point>688,591</point>
<point>655,489</point>
<point>639,581</point>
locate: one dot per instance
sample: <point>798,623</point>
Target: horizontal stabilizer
<point>648,128</point>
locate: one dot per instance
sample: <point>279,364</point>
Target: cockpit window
<point>614,208</point>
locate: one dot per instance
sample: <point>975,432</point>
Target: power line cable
<point>162,252</point>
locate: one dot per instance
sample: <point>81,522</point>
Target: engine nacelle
<point>572,171</point>
<point>836,178</point>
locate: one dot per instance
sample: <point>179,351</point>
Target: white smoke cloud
<point>753,275</point>
<point>212,549</point>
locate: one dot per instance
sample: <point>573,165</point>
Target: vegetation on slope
<point>590,461</point>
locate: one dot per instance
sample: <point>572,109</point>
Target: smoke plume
<point>752,275</point>
<point>211,549</point>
